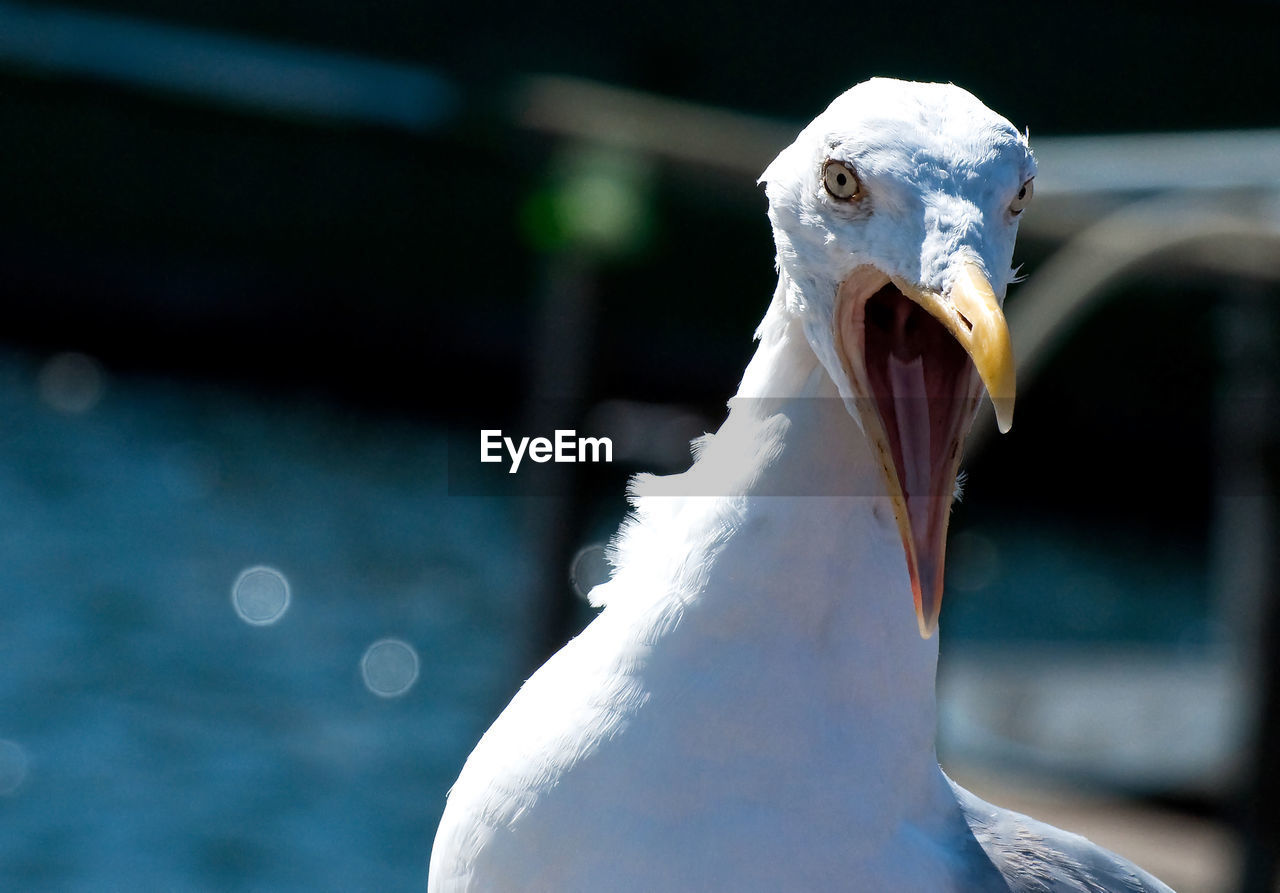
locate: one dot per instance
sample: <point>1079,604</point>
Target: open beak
<point>918,362</point>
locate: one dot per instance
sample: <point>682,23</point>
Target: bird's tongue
<point>920,379</point>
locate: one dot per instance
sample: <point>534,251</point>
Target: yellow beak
<point>972,315</point>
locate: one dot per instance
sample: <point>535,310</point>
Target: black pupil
<point>841,179</point>
<point>1022,193</point>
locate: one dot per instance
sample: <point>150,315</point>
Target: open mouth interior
<point>920,379</point>
<point>924,389</point>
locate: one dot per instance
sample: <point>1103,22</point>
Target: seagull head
<point>895,213</point>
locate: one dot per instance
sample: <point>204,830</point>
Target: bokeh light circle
<point>71,382</point>
<point>389,667</point>
<point>13,766</point>
<point>260,595</point>
<point>589,568</point>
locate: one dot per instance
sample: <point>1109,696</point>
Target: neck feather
<point>778,551</point>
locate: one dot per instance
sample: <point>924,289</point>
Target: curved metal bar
<point>1178,231</point>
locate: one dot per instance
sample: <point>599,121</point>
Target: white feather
<point>754,709</point>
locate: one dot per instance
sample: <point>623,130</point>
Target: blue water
<point>151,739</point>
<point>159,742</point>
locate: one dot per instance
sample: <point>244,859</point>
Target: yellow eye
<point>1023,198</point>
<point>840,180</point>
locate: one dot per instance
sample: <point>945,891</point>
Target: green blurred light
<point>594,201</point>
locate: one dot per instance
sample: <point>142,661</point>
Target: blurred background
<point>267,268</point>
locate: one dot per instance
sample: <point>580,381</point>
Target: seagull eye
<point>840,180</point>
<point>1023,198</point>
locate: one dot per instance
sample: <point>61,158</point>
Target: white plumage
<point>754,708</point>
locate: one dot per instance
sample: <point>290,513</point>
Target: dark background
<point>155,230</point>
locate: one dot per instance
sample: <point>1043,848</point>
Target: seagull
<point>754,708</point>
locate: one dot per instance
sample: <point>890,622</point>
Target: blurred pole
<point>1243,521</point>
<point>1262,833</point>
<point>560,359</point>
<point>596,206</point>
<point>1248,488</point>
